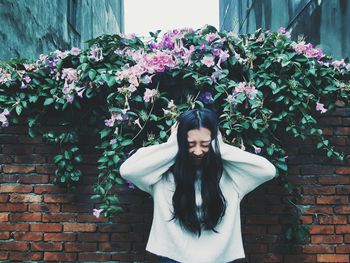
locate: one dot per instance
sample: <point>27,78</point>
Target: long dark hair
<point>184,171</point>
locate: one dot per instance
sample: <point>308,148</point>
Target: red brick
<point>76,247</point>
<point>318,190</point>
<point>14,227</point>
<point>4,217</point>
<point>49,189</point>
<point>4,255</point>
<point>326,239</point>
<point>332,200</point>
<point>46,149</point>
<point>342,170</point>
<point>58,198</point>
<point>299,258</point>
<point>79,227</point>
<point>315,249</point>
<point>342,229</point>
<point>59,236</point>
<point>4,198</point>
<point>32,159</point>
<point>332,219</point>
<point>93,237</point>
<point>25,198</point>
<point>321,229</point>
<point>28,236</point>
<point>316,210</point>
<point>116,246</point>
<point>131,237</point>
<point>345,249</point>
<point>96,257</point>
<point>43,208</point>
<point>306,219</point>
<point>46,227</point>
<point>8,178</point>
<point>58,217</point>
<point>4,235</point>
<point>345,209</point>
<point>13,207</point>
<point>33,179</point>
<point>18,169</point>
<point>45,246</point>
<point>342,131</point>
<point>334,179</point>
<point>332,258</point>
<point>25,256</point>
<point>89,218</point>
<point>77,208</point>
<point>15,188</point>
<point>114,228</point>
<point>11,149</point>
<point>45,169</point>
<point>14,245</point>
<point>25,217</point>
<point>343,189</point>
<point>54,256</point>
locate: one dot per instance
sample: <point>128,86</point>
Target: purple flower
<point>320,107</point>
<point>96,53</point>
<point>206,97</point>
<point>70,99</point>
<point>130,184</point>
<point>27,79</point>
<point>3,118</point>
<point>203,46</point>
<point>113,141</point>
<point>23,86</point>
<point>97,212</point>
<point>257,149</point>
<point>216,52</point>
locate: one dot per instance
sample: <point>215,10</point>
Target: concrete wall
<point>31,27</point>
<point>322,22</point>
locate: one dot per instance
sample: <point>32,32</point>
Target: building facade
<point>322,22</point>
<point>32,27</point>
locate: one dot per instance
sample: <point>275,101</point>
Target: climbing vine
<point>126,92</point>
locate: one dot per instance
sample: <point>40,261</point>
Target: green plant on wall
<point>126,92</point>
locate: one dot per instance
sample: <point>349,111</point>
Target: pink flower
<point>257,149</point>
<point>96,53</point>
<point>80,91</point>
<point>210,37</point>
<point>320,107</point>
<point>97,212</point>
<point>282,30</point>
<point>149,95</point>
<point>75,51</point>
<point>208,61</point>
<point>147,79</point>
<point>70,74</point>
<point>27,79</point>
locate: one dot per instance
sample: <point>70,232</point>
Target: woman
<point>197,182</point>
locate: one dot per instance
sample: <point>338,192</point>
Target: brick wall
<point>40,221</point>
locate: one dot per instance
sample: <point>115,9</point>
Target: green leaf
<point>105,132</point>
<point>48,101</point>
<point>126,142</point>
<point>19,109</point>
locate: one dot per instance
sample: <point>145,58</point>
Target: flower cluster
<point>308,50</point>
<point>5,76</point>
<point>243,88</point>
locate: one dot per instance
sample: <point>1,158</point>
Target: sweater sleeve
<point>247,170</point>
<point>145,167</point>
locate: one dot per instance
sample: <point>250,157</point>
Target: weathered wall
<point>42,222</point>
<point>322,22</point>
<point>32,27</point>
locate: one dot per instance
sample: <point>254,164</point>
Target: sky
<point>143,16</point>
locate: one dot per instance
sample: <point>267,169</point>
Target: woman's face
<point>199,142</point>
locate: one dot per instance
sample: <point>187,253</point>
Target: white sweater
<point>242,173</point>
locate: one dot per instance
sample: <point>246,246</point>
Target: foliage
<point>128,91</point>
